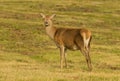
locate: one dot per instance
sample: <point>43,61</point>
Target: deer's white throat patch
<point>50,31</point>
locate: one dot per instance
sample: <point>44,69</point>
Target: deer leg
<point>90,65</point>
<point>65,54</point>
<point>88,54</point>
<point>62,50</point>
<point>87,57</point>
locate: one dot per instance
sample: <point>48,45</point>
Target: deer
<point>68,39</point>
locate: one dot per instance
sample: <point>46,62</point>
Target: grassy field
<point>27,53</point>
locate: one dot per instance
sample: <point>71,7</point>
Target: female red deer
<point>69,38</point>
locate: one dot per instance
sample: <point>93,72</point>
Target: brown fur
<point>69,38</point>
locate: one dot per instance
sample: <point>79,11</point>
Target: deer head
<point>47,19</point>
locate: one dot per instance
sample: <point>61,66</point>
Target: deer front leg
<point>62,52</point>
<point>65,54</point>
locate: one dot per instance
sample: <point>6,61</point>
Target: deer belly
<point>72,47</point>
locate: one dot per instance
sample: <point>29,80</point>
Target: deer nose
<point>46,23</point>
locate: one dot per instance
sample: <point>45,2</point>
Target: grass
<point>27,53</point>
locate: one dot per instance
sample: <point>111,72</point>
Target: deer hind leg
<point>87,57</point>
<point>83,45</point>
<point>84,48</point>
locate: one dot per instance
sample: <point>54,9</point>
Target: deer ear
<point>52,16</point>
<point>42,15</point>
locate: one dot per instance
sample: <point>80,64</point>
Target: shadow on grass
<point>107,66</point>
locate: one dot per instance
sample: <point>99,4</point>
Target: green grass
<point>27,53</point>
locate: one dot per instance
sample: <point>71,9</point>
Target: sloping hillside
<point>23,41</point>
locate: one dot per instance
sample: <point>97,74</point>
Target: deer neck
<point>50,30</point>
